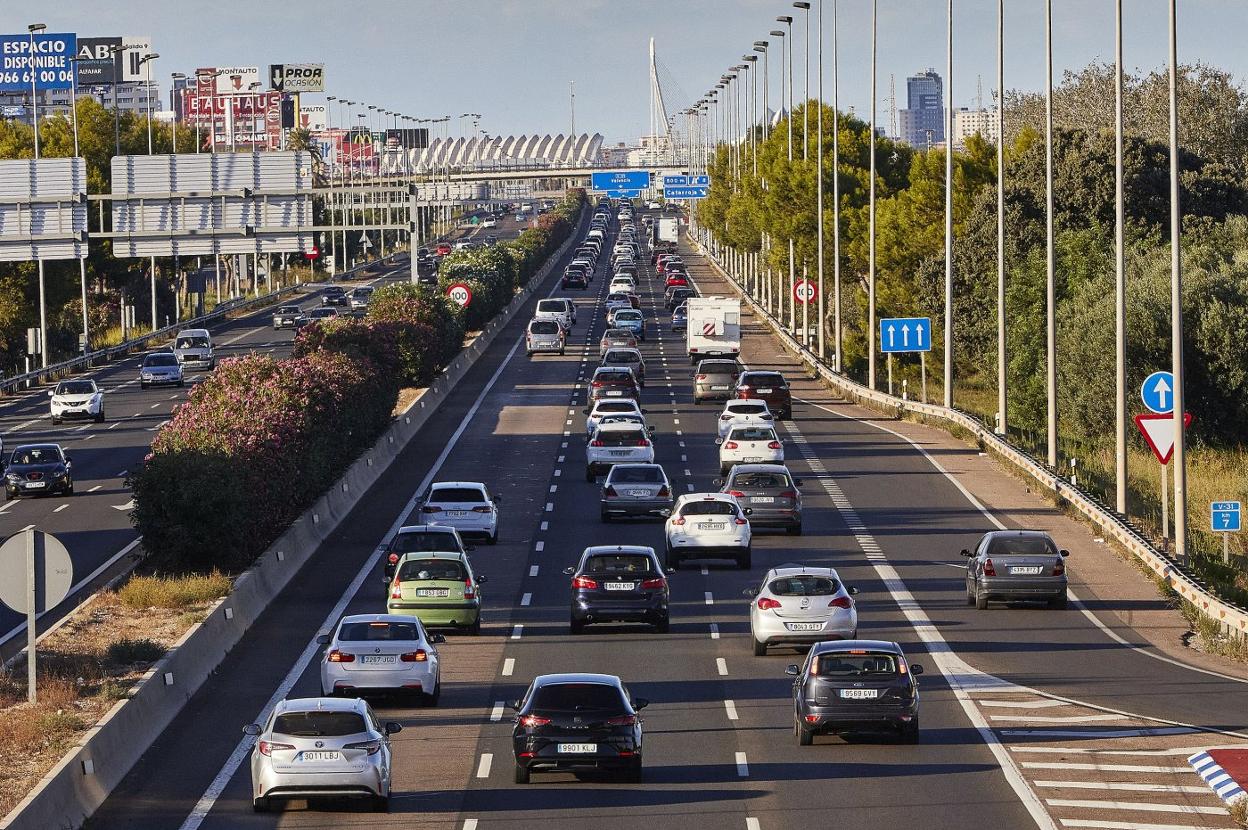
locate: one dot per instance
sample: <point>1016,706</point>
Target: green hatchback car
<point>438,587</point>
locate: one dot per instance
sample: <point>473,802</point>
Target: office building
<point>922,122</point>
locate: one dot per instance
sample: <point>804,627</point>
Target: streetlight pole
<point>1001,356</point>
<point>836,202</point>
<point>1176,305</point>
<point>871,256</point>
<point>1050,286</point>
<point>1120,283</point>
<point>761,47</point>
<point>43,304</point>
<point>949,211</point>
<point>146,61</point>
<point>176,76</point>
<point>787,51</point>
<point>82,260</point>
<point>819,182</point>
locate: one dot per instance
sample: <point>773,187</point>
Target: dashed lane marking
<point>483,768</point>
<point>509,666</point>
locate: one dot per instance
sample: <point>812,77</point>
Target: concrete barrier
<point>85,775</point>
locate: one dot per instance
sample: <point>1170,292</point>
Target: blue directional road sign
<point>620,180</point>
<point>622,194</point>
<point>906,334</point>
<point>1157,392</point>
<point>1224,516</point>
<point>675,181</point>
<point>52,67</point>
<point>684,192</point>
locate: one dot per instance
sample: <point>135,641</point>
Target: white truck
<point>714,328</point>
<point>669,229</point>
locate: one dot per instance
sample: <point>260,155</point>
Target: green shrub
<point>424,327</point>
<point>127,652</point>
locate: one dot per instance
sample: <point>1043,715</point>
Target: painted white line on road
<point>1146,806</point>
<point>710,598</point>
<point>550,506</point>
<point>58,510</point>
<point>526,599</point>
<point>509,666</point>
<point>691,487</point>
<point>743,767</point>
<point>751,823</point>
<point>688,473</point>
<point>470,824</point>
<point>153,406</point>
<point>1126,825</point>
<point>545,525</point>
<point>714,631</point>
<point>721,665</point>
<point>558,473</point>
<point>561,460</point>
<point>517,630</point>
<point>23,530</point>
<point>731,708</point>
<point>1106,767</point>
<point>496,714</point>
<point>483,768</point>
<point>1057,719</point>
<point>96,487</point>
<point>1107,733</point>
<point>533,569</point>
<point>540,546</point>
<point>684,457</point>
<point>1132,786</point>
<point>1020,704</point>
<point>705,571</point>
<point>114,425</point>
<point>564,445</point>
<point>7,506</point>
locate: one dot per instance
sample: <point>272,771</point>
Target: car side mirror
<point>393,728</point>
<point>650,431</point>
<point>252,729</point>
<point>322,639</point>
<point>482,579</point>
<point>749,511</point>
<point>51,392</point>
<point>750,592</point>
<point>437,639</point>
<point>852,591</point>
<point>569,571</point>
<point>719,441</point>
<point>793,671</point>
<point>641,703</point>
<point>645,412</point>
<point>68,458</point>
<point>1064,553</point>
<point>515,704</point>
<point>915,668</point>
<point>797,482</point>
<point>966,552</point>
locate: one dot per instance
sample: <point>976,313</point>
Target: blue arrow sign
<point>1157,392</point>
<point>620,180</point>
<point>1224,516</point>
<point>684,192</point>
<point>906,334</point>
<point>700,181</point>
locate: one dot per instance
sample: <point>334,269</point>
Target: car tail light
<point>841,602</point>
<point>371,747</point>
<point>393,559</point>
<point>267,747</point>
<point>736,493</point>
<point>812,718</point>
<point>644,442</point>
<point>743,388</point>
<point>609,492</point>
<point>622,720</point>
<point>396,590</point>
<point>596,384</point>
<point>773,445</point>
<point>1059,568</point>
<point>533,720</point>
<point>664,492</point>
<point>596,443</point>
<point>654,584</point>
<point>989,570</point>
<point>700,377</point>
<point>741,521</point>
<point>336,656</point>
<point>730,445</point>
<point>788,494</point>
<point>767,603</point>
<point>429,508</point>
<point>417,656</point>
<point>584,582</point>
<point>469,591</point>
<point>483,509</point>
<point>725,417</point>
<point>679,520</point>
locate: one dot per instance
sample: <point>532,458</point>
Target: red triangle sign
<point>1158,432</point>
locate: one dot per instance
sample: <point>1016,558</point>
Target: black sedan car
<point>855,686</point>
<point>619,583</point>
<point>575,279</point>
<point>577,723</point>
<point>35,469</point>
<point>335,295</point>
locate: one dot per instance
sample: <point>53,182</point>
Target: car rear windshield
<point>417,541</point>
<point>160,360</point>
<point>319,724</point>
<point>456,494</point>
<point>544,327</point>
<point>620,437</point>
<point>556,306</point>
<point>709,508</point>
<point>803,586</point>
<point>635,475</point>
<point>615,406</point>
<point>746,408</point>
<point>381,630</point>
<point>619,563</point>
<point>421,570</point>
<point>764,379</point>
<point>577,697</point>
<point>841,664</point>
<point>75,387</point>
<point>717,367</point>
<point>1021,546</point>
<point>622,357</point>
<point>614,376</point>
<point>618,334</point>
<point>752,434</point>
<point>760,480</point>
<point>628,315</point>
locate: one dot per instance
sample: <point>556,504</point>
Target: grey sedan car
<point>160,367</point>
<point>1013,565</point>
<point>715,380</point>
<point>321,748</point>
<point>286,317</point>
<point>771,491</point>
<point>636,490</point>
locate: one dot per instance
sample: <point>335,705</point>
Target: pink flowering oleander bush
<point>256,443</point>
<point>425,328</point>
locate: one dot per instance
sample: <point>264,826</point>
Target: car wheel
<point>561,352</point>
<point>576,627</point>
<point>697,401</point>
<point>142,384</point>
<point>1059,601</point>
<point>805,737</point>
<point>760,649</point>
<point>604,516</point>
<point>436,697</point>
<point>260,805</point>
<point>179,384</point>
<point>743,561</point>
<point>795,530</point>
<point>634,775</point>
<point>589,474</point>
<point>910,732</point>
<point>69,489</point>
<point>723,471</point>
<point>55,421</point>
<point>492,539</point>
<point>671,561</point>
<point>663,626</point>
<point>381,804</point>
<point>528,353</point>
<point>981,600</point>
<point>475,628</point>
<point>970,597</point>
<point>99,419</point>
<point>522,774</point>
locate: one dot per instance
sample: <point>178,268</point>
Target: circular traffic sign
<point>312,253</point>
<point>1157,392</point>
<point>54,570</point>
<point>805,291</point>
<point>460,293</point>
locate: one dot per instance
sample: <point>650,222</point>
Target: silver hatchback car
<point>797,605</point>
<point>321,748</point>
<point>1013,565</point>
<point>636,490</point>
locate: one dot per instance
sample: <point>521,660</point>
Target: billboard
<point>234,78</point>
<point>52,68</point>
<point>98,60</point>
<point>252,118</point>
<point>313,117</point>
<point>297,77</point>
<point>407,138</point>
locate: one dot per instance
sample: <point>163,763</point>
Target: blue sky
<point>511,60</point>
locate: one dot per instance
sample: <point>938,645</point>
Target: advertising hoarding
<point>52,68</point>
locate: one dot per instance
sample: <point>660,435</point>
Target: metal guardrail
<point>1231,618</point>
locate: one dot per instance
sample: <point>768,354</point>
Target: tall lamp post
<point>146,61</point>
<point>787,50</point>
<point>43,308</point>
<point>82,261</point>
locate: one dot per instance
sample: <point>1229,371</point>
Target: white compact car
<point>708,526</point>
<point>381,653</point>
<point>743,413</point>
<point>321,748</point>
<point>558,310</point>
<point>467,506</point>
<point>749,444</point>
<point>76,399</point>
<point>623,284</point>
<point>796,605</point>
<point>621,406</point>
<point>617,444</point>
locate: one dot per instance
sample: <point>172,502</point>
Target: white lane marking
<point>721,665</point>
<point>564,445</point>
<point>1145,806</point>
<point>243,748</point>
<point>743,767</point>
<point>517,630</point>
<point>560,461</point>
<point>690,486</point>
<point>550,506</point>
<point>1106,767</point>
<point>545,525</point>
<point>539,547</point>
<point>114,425</point>
<point>1066,750</point>
<point>483,768</point>
<point>714,631</point>
<point>470,824</point>
<point>731,708</point>
<point>1067,719</point>
<point>688,473</point>
<point>1126,825</point>
<point>558,473</point>
<point>1021,704</point>
<point>496,714</point>
<point>1107,733</point>
<point>23,530</point>
<point>509,666</point>
<point>533,569</point>
<point>526,599</point>
<point>710,598</point>
<point>153,406</point>
<point>58,510</point>
<point>751,823</point>
<point>554,487</point>
<point>705,571</point>
<point>1131,786</point>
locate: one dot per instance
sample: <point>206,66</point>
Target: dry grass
<point>407,395</point>
<point>174,591</point>
<point>1239,811</point>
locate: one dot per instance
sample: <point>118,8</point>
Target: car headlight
<point>147,376</point>
<point>13,478</point>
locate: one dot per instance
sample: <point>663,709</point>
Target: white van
<point>193,349</point>
<point>559,310</point>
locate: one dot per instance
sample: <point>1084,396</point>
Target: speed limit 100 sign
<point>460,293</point>
<point>805,291</point>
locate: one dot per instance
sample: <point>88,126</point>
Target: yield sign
<point>1158,431</point>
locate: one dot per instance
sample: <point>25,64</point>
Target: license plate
<point>639,493</point>
<point>614,393</point>
<point>763,391</point>
<point>752,459</point>
<point>860,694</point>
<point>619,452</point>
<point>804,626</point>
<point>456,514</point>
<point>586,749</point>
<point>713,526</point>
<point>719,388</point>
<point>319,757</point>
<point>763,499</point>
<point>377,658</point>
<point>35,485</point>
<point>1028,570</point>
<point>618,586</point>
<point>433,592</point>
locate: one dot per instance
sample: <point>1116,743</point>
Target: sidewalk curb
<point>1207,766</point>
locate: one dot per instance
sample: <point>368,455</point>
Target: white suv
<point>617,444</point>
<point>706,526</point>
<point>749,444</point>
<point>742,413</point>
<point>466,506</point>
<point>619,406</point>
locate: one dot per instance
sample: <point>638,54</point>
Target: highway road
<point>999,750</point>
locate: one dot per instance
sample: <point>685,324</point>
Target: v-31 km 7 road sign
<point>1224,516</point>
<point>906,334</point>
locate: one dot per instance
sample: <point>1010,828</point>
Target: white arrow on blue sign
<point>1224,516</point>
<point>1157,392</point>
<point>684,192</point>
<point>906,334</point>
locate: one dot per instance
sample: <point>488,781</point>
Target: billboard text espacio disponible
<point>51,68</point>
